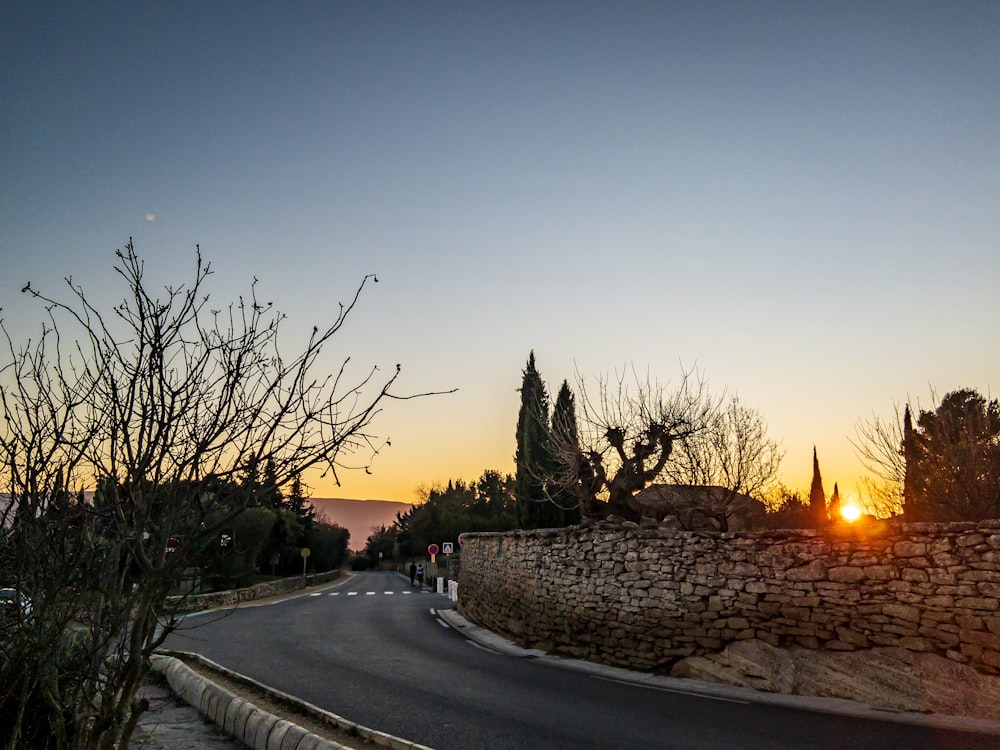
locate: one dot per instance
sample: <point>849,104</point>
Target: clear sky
<point>800,199</point>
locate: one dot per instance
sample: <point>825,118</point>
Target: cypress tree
<point>817,498</point>
<point>533,450</point>
<point>565,434</point>
<point>835,504</point>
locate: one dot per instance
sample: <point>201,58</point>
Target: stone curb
<point>254,727</point>
<point>836,706</point>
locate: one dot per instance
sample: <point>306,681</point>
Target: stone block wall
<point>196,602</point>
<point>644,598</point>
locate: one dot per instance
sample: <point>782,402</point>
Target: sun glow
<point>850,512</point>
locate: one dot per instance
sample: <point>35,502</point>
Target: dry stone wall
<point>644,598</point>
<point>195,602</point>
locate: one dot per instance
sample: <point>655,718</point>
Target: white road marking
<point>481,647</point>
<point>442,623</point>
<point>690,693</point>
<point>433,611</point>
<point>366,593</point>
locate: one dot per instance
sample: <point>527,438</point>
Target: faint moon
<point>150,217</point>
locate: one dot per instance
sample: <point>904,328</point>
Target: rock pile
<point>891,678</point>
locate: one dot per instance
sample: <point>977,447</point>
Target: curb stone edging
<point>254,727</point>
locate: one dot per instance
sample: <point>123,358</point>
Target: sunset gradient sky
<point>800,199</point>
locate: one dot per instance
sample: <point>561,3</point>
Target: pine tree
<point>250,482</point>
<point>565,505</point>
<point>270,493</point>
<point>952,457</point>
<point>299,504</point>
<point>817,498</point>
<point>532,458</point>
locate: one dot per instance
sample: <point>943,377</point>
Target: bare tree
<point>880,498</point>
<point>943,467</point>
<point>157,407</point>
<point>731,461</point>
<point>879,446</point>
<point>627,435</point>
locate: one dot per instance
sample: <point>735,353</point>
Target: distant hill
<point>359,516</point>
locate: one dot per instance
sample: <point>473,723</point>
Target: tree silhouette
<point>817,498</point>
<point>628,434</point>
<point>533,457</point>
<point>565,507</point>
<point>833,513</point>
<point>163,405</point>
<point>945,466</point>
<point>953,460</point>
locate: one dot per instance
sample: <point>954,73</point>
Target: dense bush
<point>360,562</point>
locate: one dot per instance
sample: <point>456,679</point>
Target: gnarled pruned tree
<point>713,456</point>
<point>123,433</point>
<point>626,437</point>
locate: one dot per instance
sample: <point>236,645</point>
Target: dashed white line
<point>357,593</point>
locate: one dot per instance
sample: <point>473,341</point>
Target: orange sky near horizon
<point>411,464</point>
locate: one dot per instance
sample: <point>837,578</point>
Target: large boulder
<point>884,677</point>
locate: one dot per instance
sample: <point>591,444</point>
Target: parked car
<point>11,601</point>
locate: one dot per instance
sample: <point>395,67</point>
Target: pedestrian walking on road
<point>420,576</point>
<point>413,572</point>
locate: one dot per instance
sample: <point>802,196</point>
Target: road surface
<point>373,649</point>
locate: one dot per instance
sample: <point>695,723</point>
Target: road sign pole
<point>305,557</point>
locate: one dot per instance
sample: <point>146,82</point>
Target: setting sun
<point>850,512</point>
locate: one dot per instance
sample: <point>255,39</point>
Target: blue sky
<point>800,199</point>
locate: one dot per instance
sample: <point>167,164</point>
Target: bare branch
<point>157,410</point>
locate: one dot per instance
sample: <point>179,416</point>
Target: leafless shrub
<point>157,406</point>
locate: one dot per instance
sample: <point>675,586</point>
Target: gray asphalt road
<point>373,650</point>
